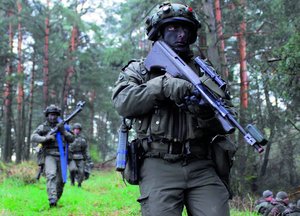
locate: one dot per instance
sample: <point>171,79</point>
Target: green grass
<point>104,194</point>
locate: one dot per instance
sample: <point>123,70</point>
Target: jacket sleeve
<point>132,96</point>
<point>36,136</point>
<point>69,136</point>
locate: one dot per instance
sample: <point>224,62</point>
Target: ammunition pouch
<point>222,153</point>
<point>133,162</point>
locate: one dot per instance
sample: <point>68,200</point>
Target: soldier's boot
<point>52,203</point>
<point>79,184</point>
<point>72,180</point>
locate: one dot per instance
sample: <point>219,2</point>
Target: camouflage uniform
<point>55,183</point>
<point>294,210</point>
<point>177,168</point>
<point>79,153</point>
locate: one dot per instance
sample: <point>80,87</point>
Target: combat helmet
<point>169,13</point>
<point>267,193</point>
<point>281,195</point>
<point>77,126</point>
<point>52,109</point>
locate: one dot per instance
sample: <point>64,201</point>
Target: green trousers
<point>55,183</point>
<point>166,187</point>
<point>79,174</point>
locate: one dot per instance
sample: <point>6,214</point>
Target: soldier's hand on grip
<point>61,127</point>
<point>176,89</point>
<point>49,137</point>
<point>199,108</point>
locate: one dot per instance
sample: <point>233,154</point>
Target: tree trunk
<point>212,51</point>
<point>92,112</point>
<point>30,106</point>
<point>243,61</point>
<point>103,148</point>
<point>46,58</point>
<point>224,69</point>
<point>20,96</point>
<point>70,70</point>
<point>272,119</point>
<point>243,152</point>
<point>7,145</point>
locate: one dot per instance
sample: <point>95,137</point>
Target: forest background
<point>61,52</point>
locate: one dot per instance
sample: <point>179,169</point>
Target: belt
<point>167,149</point>
<point>76,152</point>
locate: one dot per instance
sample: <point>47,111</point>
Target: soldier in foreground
<point>41,135</point>
<point>79,155</point>
<point>177,169</point>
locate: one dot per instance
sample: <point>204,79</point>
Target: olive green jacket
<point>79,148</point>
<point>138,96</point>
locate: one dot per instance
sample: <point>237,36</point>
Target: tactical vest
<point>78,148</point>
<point>167,120</point>
<point>50,147</point>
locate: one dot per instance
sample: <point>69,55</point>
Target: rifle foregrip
<point>226,126</point>
<point>122,150</point>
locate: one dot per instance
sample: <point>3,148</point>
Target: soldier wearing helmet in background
<point>279,205</point>
<point>49,143</point>
<point>262,203</point>
<point>177,169</point>
<point>79,156</point>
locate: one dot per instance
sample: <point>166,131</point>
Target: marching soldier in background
<point>49,143</point>
<point>79,156</point>
<point>177,169</point>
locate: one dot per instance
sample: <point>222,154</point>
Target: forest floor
<point>103,194</point>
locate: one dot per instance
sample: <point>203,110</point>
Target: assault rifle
<point>40,172</point>
<point>162,56</point>
<point>79,107</point>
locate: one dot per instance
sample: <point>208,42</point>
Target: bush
<point>24,172</point>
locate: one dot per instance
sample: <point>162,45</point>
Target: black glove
<point>176,89</point>
<point>49,137</point>
<point>199,108</point>
<point>61,127</point>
